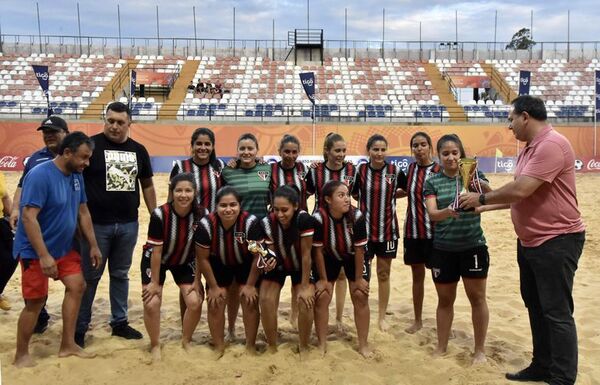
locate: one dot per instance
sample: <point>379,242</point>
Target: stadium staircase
<point>499,83</point>
<point>118,82</point>
<point>442,88</point>
<point>179,90</point>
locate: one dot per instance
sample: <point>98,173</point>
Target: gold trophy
<point>467,168</point>
<point>264,255</point>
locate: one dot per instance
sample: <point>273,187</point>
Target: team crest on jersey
<point>302,174</point>
<point>76,185</point>
<point>436,272</point>
<point>390,178</point>
<point>263,175</point>
<point>239,237</point>
<point>348,180</point>
<point>216,173</point>
<point>149,272</point>
<point>350,231</point>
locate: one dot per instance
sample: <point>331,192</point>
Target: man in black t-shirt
<point>112,188</point>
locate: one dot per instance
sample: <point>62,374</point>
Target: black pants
<point>7,263</point>
<point>547,272</point>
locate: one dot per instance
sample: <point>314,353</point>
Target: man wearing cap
<point>54,129</point>
<point>119,170</point>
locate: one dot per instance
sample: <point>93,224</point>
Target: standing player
<point>339,241</point>
<point>418,229</point>
<point>288,232</point>
<point>288,171</point>
<point>170,247</point>
<point>376,187</point>
<point>459,249</point>
<point>7,263</point>
<point>223,257</point>
<point>251,180</point>
<point>204,165</point>
<point>334,167</point>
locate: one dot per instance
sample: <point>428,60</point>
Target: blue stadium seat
<point>306,113</point>
<point>11,104</point>
<point>381,114</point>
<point>73,105</point>
<point>57,111</point>
<point>35,110</point>
<point>3,103</point>
<point>202,107</point>
<point>249,113</point>
<point>135,112</point>
<point>371,114</point>
<point>201,113</point>
<point>148,106</point>
<point>53,104</point>
<point>222,106</point>
<point>362,114</point>
<point>279,107</point>
<point>258,113</point>
<point>268,114</point>
<point>190,113</point>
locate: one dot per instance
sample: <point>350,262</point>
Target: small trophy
<point>467,168</point>
<point>264,255</point>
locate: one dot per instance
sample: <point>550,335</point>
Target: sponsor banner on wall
<point>587,165</point>
<point>10,162</point>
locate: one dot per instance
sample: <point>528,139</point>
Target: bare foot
<point>415,327</point>
<point>340,328</point>
<point>383,325</point>
<point>479,358</point>
<point>272,349</point>
<point>365,351</point>
<point>303,351</point>
<point>156,354</point>
<point>219,352</point>
<point>323,349</point>
<point>24,361</point>
<point>439,352</point>
<point>76,351</point>
<point>230,337</point>
<point>251,350</point>
<point>186,345</point>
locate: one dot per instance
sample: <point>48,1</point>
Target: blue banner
<point>132,81</point>
<point>43,76</point>
<point>524,82</point>
<point>308,82</point>
<point>597,79</point>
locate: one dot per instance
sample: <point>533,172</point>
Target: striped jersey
<point>376,190</point>
<point>289,255</point>
<point>229,246</point>
<point>174,233</point>
<point>321,174</point>
<point>297,176</point>
<point>208,180</point>
<point>417,224</point>
<point>253,185</point>
<point>339,237</point>
<point>453,234</point>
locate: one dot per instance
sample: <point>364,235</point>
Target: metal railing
<point>288,113</point>
<point>277,49</point>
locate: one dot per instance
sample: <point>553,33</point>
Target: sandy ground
<point>400,358</point>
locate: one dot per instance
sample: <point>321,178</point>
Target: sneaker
<point>125,331</point>
<point>4,303</point>
<point>80,339</point>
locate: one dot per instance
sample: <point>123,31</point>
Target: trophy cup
<point>264,255</point>
<point>467,168</point>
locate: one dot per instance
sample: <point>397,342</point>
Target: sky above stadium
<point>254,18</point>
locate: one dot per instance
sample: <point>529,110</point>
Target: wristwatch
<point>482,199</point>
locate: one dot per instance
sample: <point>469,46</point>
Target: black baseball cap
<point>53,123</point>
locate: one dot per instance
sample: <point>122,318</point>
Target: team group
<point>245,227</point>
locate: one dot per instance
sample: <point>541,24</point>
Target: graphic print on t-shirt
<point>121,170</point>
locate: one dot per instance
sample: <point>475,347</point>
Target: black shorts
<point>182,274</point>
<point>417,251</point>
<point>226,274</point>
<point>449,266</point>
<point>279,274</point>
<point>333,266</point>
<point>387,249</point>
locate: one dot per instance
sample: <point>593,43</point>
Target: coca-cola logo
<point>593,164</point>
<point>8,161</point>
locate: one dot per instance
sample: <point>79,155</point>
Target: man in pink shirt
<point>543,204</point>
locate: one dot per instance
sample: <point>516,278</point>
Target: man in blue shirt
<point>53,204</point>
<point>54,130</point>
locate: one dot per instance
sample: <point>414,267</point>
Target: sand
<point>400,358</point>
